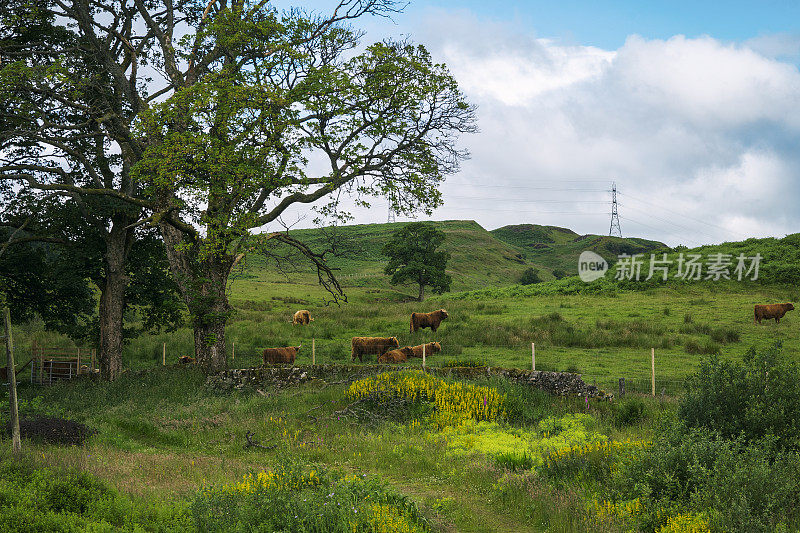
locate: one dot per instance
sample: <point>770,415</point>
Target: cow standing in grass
<point>372,345</point>
<point>302,317</point>
<point>280,355</point>
<point>427,320</point>
<point>768,311</point>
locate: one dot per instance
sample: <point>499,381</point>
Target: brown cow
<point>186,360</point>
<point>281,355</point>
<point>427,320</point>
<point>768,311</point>
<point>430,349</point>
<point>399,355</point>
<point>372,345</point>
<point>302,317</point>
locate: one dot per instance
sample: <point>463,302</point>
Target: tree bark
<point>209,344</point>
<point>202,286</point>
<point>112,298</point>
<point>421,291</point>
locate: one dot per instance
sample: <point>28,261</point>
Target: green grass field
<point>162,435</point>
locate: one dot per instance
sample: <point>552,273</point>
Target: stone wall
<point>278,376</point>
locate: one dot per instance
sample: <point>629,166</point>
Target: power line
<point>656,229</point>
<point>694,230</point>
<point>660,206</point>
<point>536,201</point>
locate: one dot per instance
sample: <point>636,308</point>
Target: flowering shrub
<point>686,523</point>
<point>520,449</point>
<point>596,459</point>
<point>295,500</point>
<point>455,403</point>
<point>384,518</point>
<point>606,510</point>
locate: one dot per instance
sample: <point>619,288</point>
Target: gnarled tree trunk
<point>202,286</point>
<point>112,297</point>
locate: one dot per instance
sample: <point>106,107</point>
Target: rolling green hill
<point>559,248</point>
<point>479,258</point>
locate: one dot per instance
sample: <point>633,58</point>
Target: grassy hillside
<point>559,248</point>
<point>477,259</point>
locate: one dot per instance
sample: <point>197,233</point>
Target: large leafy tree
<point>51,261</point>
<point>414,257</point>
<point>219,143</point>
<point>68,95</point>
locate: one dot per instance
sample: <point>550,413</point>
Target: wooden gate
<point>50,365</point>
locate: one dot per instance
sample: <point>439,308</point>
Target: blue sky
<point>607,24</point>
<point>692,108</point>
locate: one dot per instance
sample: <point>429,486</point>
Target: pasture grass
<point>162,435</point>
<point>604,336</point>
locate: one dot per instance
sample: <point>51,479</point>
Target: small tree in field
<point>413,257</point>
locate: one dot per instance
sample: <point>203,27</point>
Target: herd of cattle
<point>386,349</point>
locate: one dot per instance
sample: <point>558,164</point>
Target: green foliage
<point>459,363</point>
<point>517,447</point>
<point>293,500</point>
<point>530,276</point>
<point>42,499</point>
<point>514,461</point>
<point>46,280</point>
<point>414,256</point>
<point>742,487</point>
<point>755,398</point>
<point>629,412</point>
<point>708,347</point>
<point>559,273</point>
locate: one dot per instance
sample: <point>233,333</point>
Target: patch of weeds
<point>707,348</point>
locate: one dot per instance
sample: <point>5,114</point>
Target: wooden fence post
<point>16,443</point>
<point>653,369</point>
<point>533,356</point>
<point>164,355</point>
<point>621,387</point>
<point>233,350</point>
<point>423,355</point>
<point>313,351</point>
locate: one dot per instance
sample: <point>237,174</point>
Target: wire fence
<point>600,367</point>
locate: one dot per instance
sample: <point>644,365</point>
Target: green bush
<point>294,500</point>
<point>42,499</point>
<point>759,396</point>
<point>743,487</point>
<point>530,276</point>
<point>629,412</point>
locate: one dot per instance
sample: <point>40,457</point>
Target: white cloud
<point>693,126</point>
<point>700,135</point>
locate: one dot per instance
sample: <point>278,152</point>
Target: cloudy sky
<point>691,108</point>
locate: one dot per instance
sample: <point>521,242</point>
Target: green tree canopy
<point>414,257</point>
<point>204,116</point>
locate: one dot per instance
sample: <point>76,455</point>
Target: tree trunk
<point>112,298</point>
<point>202,284</point>
<point>209,344</point>
<point>421,292</point>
